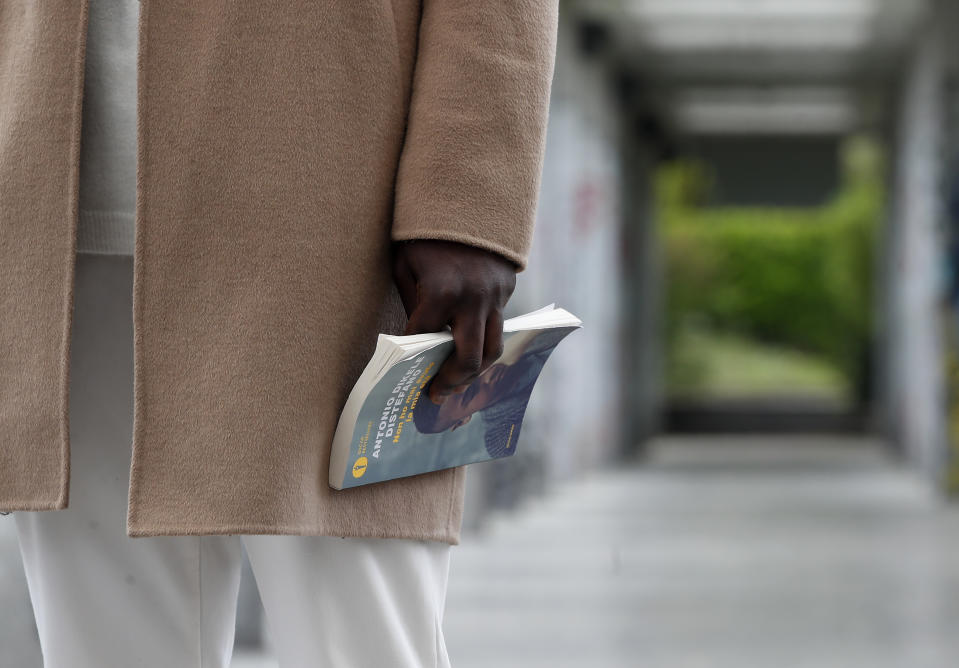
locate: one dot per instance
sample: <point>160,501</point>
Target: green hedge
<point>791,276</point>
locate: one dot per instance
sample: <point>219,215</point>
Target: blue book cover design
<point>400,431</point>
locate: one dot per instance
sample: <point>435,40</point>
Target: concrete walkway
<point>738,553</point>
<point>719,553</point>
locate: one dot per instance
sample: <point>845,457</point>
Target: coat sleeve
<point>472,157</point>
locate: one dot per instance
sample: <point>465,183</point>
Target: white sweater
<point>108,130</point>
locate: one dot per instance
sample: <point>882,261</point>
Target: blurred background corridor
<point>748,456</point>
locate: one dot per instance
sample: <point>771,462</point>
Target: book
<point>390,428</point>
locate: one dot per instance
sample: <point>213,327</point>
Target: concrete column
<point>916,390</point>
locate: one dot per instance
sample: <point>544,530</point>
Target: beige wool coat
<point>282,146</point>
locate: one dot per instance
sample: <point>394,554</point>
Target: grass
<point>713,365</point>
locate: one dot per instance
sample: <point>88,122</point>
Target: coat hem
<point>59,504</point>
<point>283,530</point>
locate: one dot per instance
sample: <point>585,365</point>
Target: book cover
<point>400,431</point>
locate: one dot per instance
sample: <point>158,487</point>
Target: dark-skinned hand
<point>447,283</point>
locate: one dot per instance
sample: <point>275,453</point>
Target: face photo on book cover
<point>498,397</point>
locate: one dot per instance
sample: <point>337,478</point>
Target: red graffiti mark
<point>587,201</point>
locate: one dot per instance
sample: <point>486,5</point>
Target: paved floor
<point>739,553</point>
<point>720,553</point>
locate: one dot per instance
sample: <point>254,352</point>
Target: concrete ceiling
<point>766,66</point>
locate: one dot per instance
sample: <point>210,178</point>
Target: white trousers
<point>105,600</point>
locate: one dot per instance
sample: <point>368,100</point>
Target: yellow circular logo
<point>359,467</point>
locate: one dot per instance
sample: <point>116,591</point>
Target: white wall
<point>573,420</point>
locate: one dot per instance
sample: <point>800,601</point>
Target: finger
<point>405,283</point>
<point>466,362</point>
<point>428,316</point>
<point>493,343</point>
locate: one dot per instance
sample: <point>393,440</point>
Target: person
<point>208,211</point>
